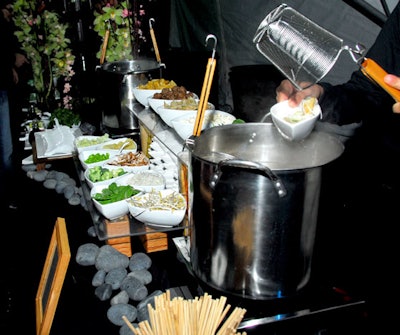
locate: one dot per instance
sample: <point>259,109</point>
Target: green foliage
<point>118,20</point>
<point>66,117</point>
<point>44,39</point>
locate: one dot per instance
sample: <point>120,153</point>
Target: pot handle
<point>243,164</point>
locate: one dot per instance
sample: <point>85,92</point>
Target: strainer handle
<point>374,72</point>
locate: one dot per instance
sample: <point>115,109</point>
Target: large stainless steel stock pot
<point>117,81</point>
<point>254,208</point>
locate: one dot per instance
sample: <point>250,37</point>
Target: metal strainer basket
<point>303,51</point>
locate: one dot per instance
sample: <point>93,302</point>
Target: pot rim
<point>126,67</point>
<point>318,149</point>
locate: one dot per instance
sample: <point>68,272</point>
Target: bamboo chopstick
<point>200,316</point>
<point>130,326</point>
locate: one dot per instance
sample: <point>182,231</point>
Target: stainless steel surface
<point>250,165</point>
<point>127,67</point>
<point>118,80</point>
<point>251,323</point>
<point>247,238</point>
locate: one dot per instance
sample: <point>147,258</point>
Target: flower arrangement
<point>43,37</point>
<point>123,24</point>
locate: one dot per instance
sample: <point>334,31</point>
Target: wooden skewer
<point>200,316</point>
<point>130,326</point>
<point>232,321</point>
<point>153,318</point>
<point>104,47</point>
<point>145,328</point>
<point>219,311</point>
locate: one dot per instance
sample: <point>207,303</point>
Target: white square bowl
<point>146,181</point>
<point>178,108</point>
<point>142,95</point>
<point>168,208</point>
<point>167,114</point>
<point>292,126</point>
<point>132,161</point>
<point>158,102</point>
<point>155,103</point>
<point>114,209</point>
<point>184,124</point>
<point>106,181</point>
<point>88,142</point>
<point>117,143</point>
<point>100,153</point>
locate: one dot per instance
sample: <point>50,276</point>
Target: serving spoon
<point>122,147</point>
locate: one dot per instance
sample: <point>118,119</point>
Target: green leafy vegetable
<point>115,193</point>
<point>99,173</point>
<point>97,157</point>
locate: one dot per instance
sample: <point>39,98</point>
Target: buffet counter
<point>317,309</point>
<point>120,230</point>
<point>152,125</point>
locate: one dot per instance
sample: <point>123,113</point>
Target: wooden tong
<point>104,46</point>
<point>156,51</point>
<point>153,38</point>
<point>205,91</point>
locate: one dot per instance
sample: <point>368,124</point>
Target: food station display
<point>112,221</point>
<point>231,172</point>
<point>284,293</point>
<point>210,240</point>
<point>242,197</point>
<point>285,299</point>
<point>160,145</point>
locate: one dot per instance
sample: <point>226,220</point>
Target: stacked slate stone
<point>121,279</point>
<point>61,182</point>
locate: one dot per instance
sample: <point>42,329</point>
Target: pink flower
<point>67,88</point>
<point>67,102</point>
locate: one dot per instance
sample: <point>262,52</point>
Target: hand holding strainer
<point>305,52</point>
